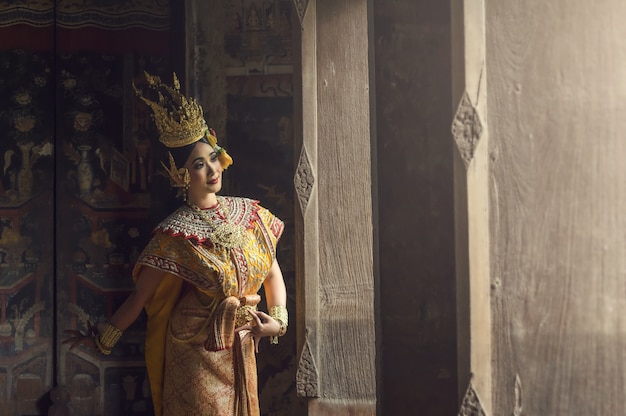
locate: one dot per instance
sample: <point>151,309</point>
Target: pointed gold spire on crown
<point>179,120</point>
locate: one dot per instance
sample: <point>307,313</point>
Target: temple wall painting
<point>26,229</point>
<point>80,188</point>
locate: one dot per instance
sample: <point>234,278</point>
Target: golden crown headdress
<point>179,120</point>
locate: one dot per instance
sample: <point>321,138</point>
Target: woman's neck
<point>209,201</point>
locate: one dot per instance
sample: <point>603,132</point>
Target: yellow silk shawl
<point>181,248</point>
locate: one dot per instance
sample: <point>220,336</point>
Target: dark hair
<point>181,154</point>
<point>162,206</point>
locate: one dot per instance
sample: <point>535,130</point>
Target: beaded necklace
<point>224,233</point>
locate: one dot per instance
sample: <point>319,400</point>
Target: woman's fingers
<point>75,344</point>
<point>260,326</point>
<point>263,315</point>
<point>256,344</point>
<point>69,341</point>
<point>244,327</point>
<point>255,316</point>
<point>74,341</point>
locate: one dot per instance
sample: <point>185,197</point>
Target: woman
<point>198,278</point>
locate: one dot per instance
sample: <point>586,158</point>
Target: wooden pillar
<point>469,128</point>
<point>333,182</point>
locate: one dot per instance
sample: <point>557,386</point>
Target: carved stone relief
<point>471,405</point>
<point>307,375</point>
<point>304,180</point>
<point>466,129</point>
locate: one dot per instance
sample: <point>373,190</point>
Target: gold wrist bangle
<point>100,347</point>
<point>280,314</point>
<point>109,337</point>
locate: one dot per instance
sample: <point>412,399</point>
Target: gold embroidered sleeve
<point>273,228</point>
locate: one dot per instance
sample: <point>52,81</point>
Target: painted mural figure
<point>199,277</point>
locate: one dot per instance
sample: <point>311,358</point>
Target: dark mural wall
<point>105,173</point>
<point>26,224</point>
<point>74,196</point>
<point>80,189</point>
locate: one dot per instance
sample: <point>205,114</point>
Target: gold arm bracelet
<point>108,338</point>
<point>280,314</point>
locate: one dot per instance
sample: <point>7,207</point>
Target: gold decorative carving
<point>471,405</point>
<point>466,129</point>
<point>301,6</point>
<point>307,375</point>
<point>304,180</point>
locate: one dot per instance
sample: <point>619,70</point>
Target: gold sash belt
<point>231,313</point>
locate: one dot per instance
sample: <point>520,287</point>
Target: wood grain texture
<point>472,228</point>
<point>346,319</point>
<point>557,97</point>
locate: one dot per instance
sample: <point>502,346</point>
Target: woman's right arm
<point>145,285</point>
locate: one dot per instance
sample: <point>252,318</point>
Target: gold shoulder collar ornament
<point>224,225</point>
<point>225,235</point>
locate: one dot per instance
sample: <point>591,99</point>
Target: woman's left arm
<point>274,286</point>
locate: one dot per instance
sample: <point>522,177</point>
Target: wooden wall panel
<point>557,95</point>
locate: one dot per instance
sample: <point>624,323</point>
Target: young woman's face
<point>205,170</point>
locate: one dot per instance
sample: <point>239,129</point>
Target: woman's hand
<point>78,338</point>
<point>262,325</point>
